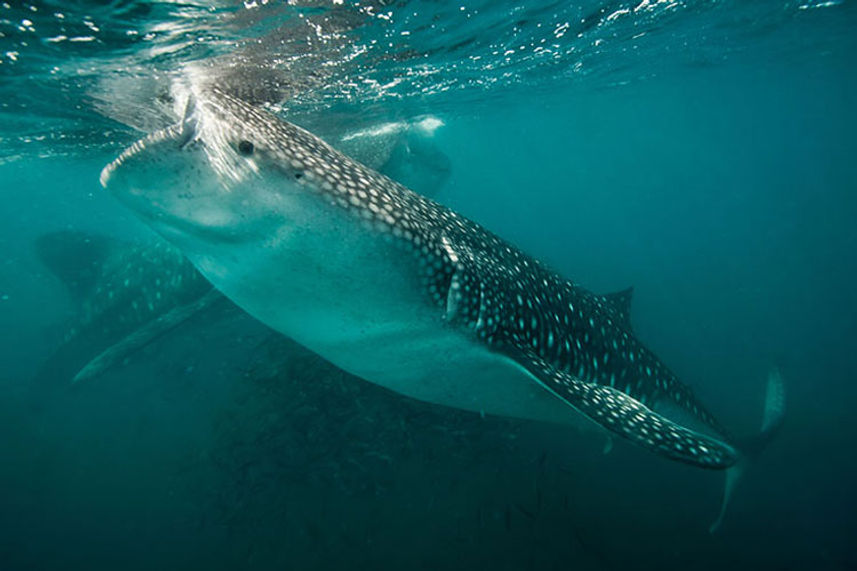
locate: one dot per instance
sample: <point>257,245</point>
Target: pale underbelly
<point>355,298</point>
<point>422,357</point>
<point>451,368</point>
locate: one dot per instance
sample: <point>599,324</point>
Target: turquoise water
<point>701,152</point>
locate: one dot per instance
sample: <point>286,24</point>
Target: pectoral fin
<point>117,352</point>
<point>629,418</point>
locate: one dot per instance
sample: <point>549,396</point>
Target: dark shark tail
<point>752,447</point>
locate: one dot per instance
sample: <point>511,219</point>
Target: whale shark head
<point>227,171</point>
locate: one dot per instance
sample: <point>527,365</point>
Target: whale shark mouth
<point>177,132</point>
<point>182,133</point>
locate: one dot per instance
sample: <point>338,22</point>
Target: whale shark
<point>398,289</point>
<point>128,294</point>
<point>124,296</point>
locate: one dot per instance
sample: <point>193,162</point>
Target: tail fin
<point>775,406</point>
<point>751,448</point>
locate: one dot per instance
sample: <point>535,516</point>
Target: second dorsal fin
<point>621,303</point>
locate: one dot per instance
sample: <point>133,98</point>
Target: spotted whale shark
<point>123,295</point>
<point>398,289</point>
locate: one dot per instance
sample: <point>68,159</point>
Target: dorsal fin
<point>75,257</point>
<point>621,302</point>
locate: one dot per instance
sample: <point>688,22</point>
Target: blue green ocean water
<point>701,152</point>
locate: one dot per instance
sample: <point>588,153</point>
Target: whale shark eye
<point>245,147</point>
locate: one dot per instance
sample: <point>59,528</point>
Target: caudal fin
<point>752,447</point>
<point>775,405</point>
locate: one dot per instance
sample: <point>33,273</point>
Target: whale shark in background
<point>401,291</point>
<point>125,295</point>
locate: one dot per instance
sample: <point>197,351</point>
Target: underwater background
<point>701,152</point>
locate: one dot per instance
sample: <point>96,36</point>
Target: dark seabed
<point>703,153</point>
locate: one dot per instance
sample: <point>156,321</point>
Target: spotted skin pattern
<point>134,286</point>
<point>627,417</point>
<point>576,344</point>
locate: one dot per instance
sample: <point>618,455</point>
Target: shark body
<point>394,287</point>
<point>124,296</point>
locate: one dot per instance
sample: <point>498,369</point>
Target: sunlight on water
<point>60,62</point>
